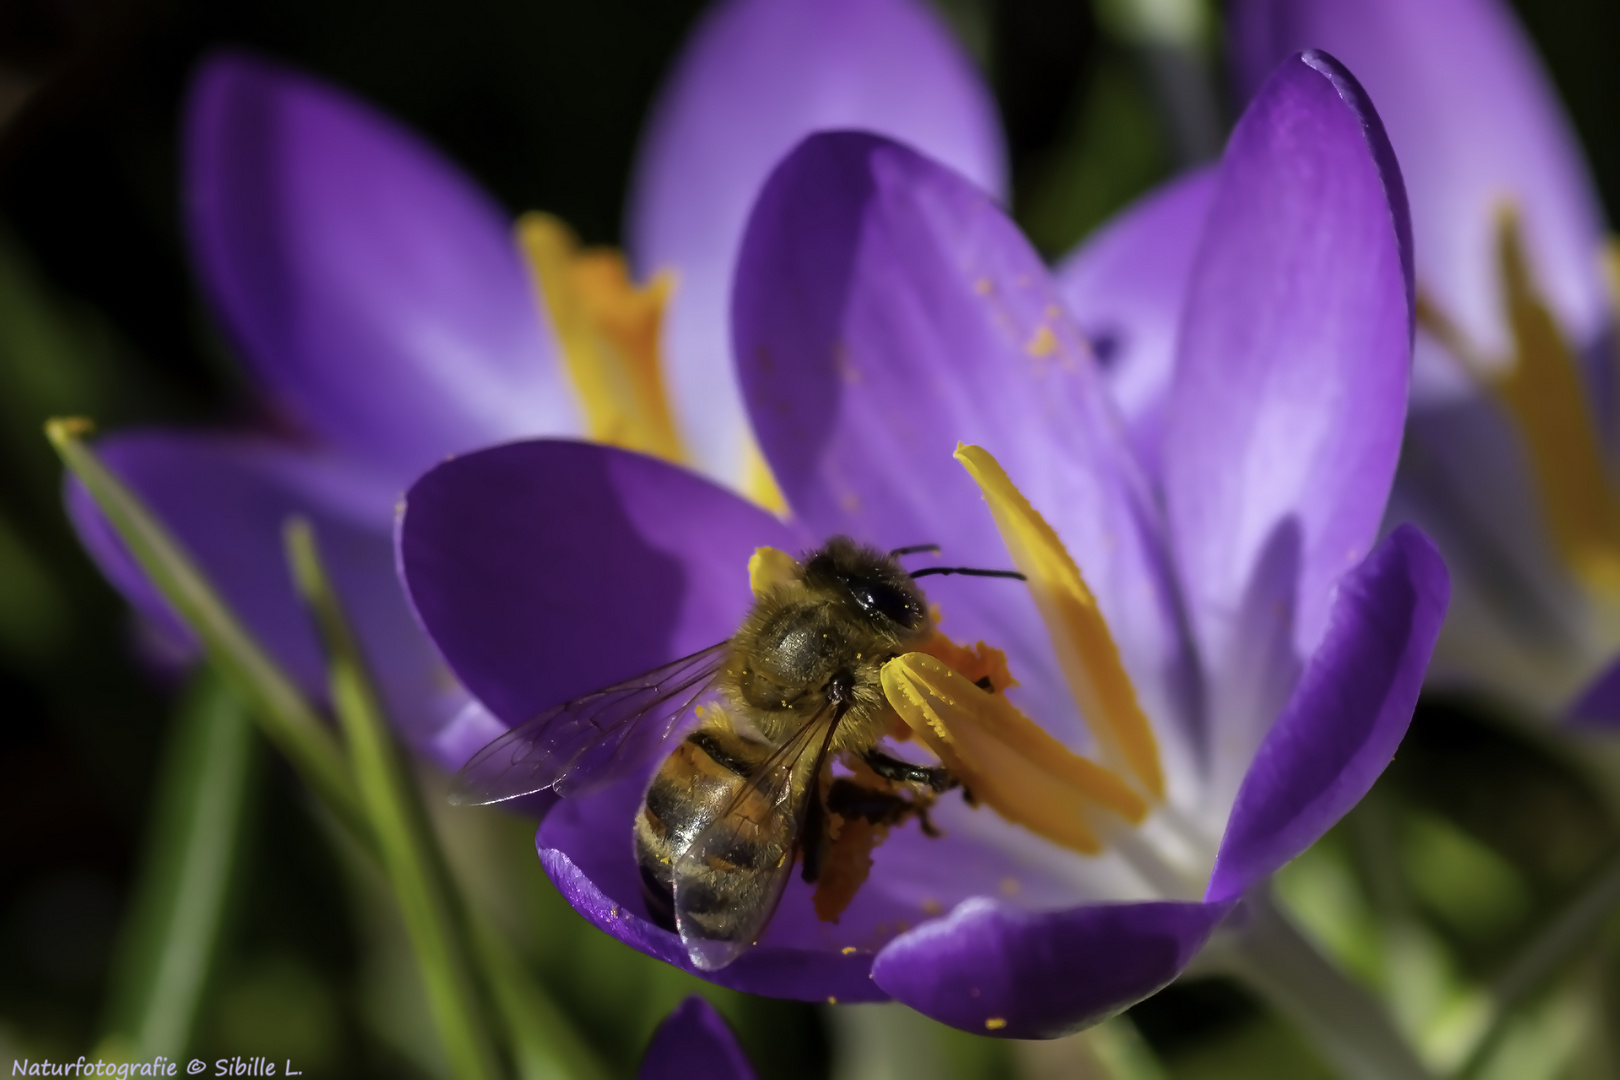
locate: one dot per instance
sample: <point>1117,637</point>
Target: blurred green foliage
<point>1428,894</point>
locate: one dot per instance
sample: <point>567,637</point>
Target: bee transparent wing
<point>730,878</point>
<point>593,740</point>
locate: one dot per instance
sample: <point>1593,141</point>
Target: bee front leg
<point>937,777</point>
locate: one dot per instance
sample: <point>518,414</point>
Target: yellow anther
<point>1080,636</point>
<point>609,333</point>
<point>1540,386</point>
<point>769,567</point>
<point>1006,760</point>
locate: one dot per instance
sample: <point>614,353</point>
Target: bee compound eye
<point>878,599</point>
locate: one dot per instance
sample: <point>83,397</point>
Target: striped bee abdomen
<point>696,783</point>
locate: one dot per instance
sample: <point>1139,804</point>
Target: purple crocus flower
<point>1238,664</point>
<point>694,1041</point>
<point>1512,440</point>
<point>388,316</point>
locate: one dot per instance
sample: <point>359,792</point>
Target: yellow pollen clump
<point>1541,389</point>
<point>609,332</point>
<point>1080,636</point>
<point>769,567</point>
<point>976,664</point>
<point>995,1023</point>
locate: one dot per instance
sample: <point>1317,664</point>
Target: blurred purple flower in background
<point>694,1040</point>
<point>1268,655</point>
<point>1514,434</point>
<point>385,310</point>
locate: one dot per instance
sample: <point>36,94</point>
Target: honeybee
<point>749,791</point>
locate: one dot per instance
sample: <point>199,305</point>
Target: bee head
<point>870,581</point>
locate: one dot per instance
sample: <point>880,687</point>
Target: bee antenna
<point>914,549</point>
<point>968,571</point>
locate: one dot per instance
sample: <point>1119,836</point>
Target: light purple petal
<point>1125,286</point>
<point>1285,420</point>
<point>1347,715</point>
<point>992,969</point>
<point>758,76</point>
<point>885,308</point>
<point>694,1041</point>
<point>1474,119</point>
<point>545,570</point>
<point>377,293</point>
<point>225,499</point>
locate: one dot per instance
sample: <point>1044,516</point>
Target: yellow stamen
<point>1085,647</point>
<point>758,483</point>
<point>1540,386</point>
<point>609,332</point>
<point>769,567</point>
<point>1007,761</point>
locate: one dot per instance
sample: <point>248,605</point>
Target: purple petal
<point>885,308</point>
<point>377,293</point>
<point>1347,715</point>
<point>694,1041</point>
<point>1284,425</point>
<point>585,845</point>
<point>1125,287</point>
<point>1474,120</point>
<point>992,969</point>
<point>545,570</point>
<point>1598,706</point>
<point>758,76</point>
<point>225,500</point>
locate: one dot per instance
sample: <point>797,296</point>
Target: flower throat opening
<point>953,700</point>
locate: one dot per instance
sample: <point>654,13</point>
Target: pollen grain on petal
<point>609,333</point>
<point>1084,645</point>
<point>1043,344</point>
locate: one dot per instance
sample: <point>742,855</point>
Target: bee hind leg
<point>937,777</point>
<point>849,799</point>
<point>813,838</point>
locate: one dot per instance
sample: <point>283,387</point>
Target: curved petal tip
<point>996,970</point>
<point>694,1040</point>
<point>1347,715</point>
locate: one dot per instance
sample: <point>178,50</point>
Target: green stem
<point>1554,947</point>
<point>285,717</point>
<point>1351,1030</point>
<point>170,936</point>
<point>542,1040</point>
<point>299,732</point>
<point>398,821</point>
